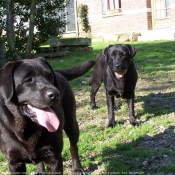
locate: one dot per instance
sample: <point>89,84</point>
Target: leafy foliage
<point>83,12</point>
<point>2,13</point>
<point>49,21</point>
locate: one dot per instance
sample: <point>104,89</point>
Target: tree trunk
<point>10,30</point>
<point>2,52</point>
<point>31,28</point>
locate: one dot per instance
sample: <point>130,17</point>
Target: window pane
<point>71,26</point>
<point>116,4</point>
<point>111,4</point>
<point>167,2</point>
<point>162,9</point>
<point>167,13</point>
<point>162,4</point>
<point>158,14</point>
<point>104,7</point>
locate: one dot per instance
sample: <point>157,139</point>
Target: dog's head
<point>119,57</point>
<point>30,84</point>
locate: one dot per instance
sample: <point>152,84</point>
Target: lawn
<point>145,149</point>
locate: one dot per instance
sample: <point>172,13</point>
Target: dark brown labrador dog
<point>36,104</point>
<point>116,68</point>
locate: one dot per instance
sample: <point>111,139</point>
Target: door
<point>161,13</point>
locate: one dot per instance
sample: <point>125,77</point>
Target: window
<point>111,5</point>
<point>162,9</point>
<point>71,17</point>
<point>114,4</point>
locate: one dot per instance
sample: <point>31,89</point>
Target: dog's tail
<point>77,71</point>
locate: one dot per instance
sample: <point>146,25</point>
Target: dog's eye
<point>112,56</point>
<point>28,80</point>
<point>123,54</point>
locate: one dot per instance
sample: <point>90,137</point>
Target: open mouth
<point>120,74</point>
<point>45,117</point>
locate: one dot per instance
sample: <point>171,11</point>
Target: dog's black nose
<point>118,66</point>
<point>52,94</point>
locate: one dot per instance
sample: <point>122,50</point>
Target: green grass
<point>125,149</point>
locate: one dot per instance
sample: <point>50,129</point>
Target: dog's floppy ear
<point>44,60</point>
<point>105,51</point>
<point>6,81</point>
<point>132,50</point>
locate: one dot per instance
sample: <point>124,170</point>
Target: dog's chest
<point>115,87</point>
<point>37,148</point>
<point>31,146</point>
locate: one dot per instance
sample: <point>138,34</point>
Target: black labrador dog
<point>37,103</point>
<point>116,68</point>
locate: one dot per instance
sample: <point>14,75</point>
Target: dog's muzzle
<point>119,71</point>
<point>52,95</point>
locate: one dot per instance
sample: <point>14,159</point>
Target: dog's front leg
<point>132,118</point>
<point>110,104</point>
<point>17,167</point>
<point>55,167</point>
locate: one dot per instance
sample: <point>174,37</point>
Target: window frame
<point>162,12</point>
<point>74,14</point>
<point>110,7</point>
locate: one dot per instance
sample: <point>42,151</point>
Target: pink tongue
<point>118,75</point>
<point>46,117</point>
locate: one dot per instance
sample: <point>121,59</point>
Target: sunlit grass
<point>120,149</point>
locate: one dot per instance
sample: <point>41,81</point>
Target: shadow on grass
<point>156,104</point>
<point>145,155</point>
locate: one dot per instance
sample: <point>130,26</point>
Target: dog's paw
<point>78,171</point>
<point>116,108</point>
<point>135,124</point>
<point>94,107</point>
<point>111,124</point>
<point>133,121</point>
